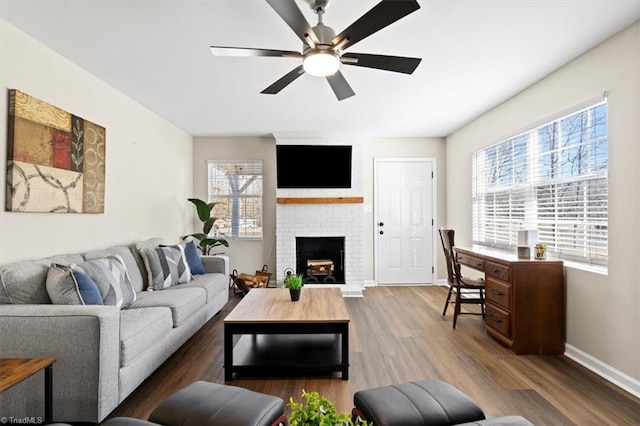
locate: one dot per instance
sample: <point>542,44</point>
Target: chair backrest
<point>447,238</point>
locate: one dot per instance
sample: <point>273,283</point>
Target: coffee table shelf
<point>287,354</point>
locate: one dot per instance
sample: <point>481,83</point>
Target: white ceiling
<point>476,54</point>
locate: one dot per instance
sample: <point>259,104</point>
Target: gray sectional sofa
<point>103,352</point>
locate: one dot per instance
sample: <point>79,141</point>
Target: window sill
<point>595,269</point>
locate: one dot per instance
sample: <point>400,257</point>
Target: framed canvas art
<point>55,160</point>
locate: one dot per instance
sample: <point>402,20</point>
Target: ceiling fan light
<point>321,64</point>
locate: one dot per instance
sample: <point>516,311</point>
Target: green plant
<point>541,251</point>
<point>204,214</point>
<point>293,282</point>
<point>319,411</point>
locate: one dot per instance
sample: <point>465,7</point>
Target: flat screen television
<point>313,166</point>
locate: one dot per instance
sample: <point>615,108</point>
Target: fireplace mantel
<point>320,200</point>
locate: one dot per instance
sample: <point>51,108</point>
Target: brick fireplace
<point>305,213</point>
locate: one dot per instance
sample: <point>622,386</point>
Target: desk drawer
<point>499,293</point>
<point>498,320</point>
<point>498,271</point>
<point>470,261</point>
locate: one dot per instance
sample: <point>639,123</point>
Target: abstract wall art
<point>55,160</point>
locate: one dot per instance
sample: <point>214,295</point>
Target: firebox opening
<point>321,259</point>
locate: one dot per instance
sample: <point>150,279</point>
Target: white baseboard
<point>352,292</point>
<point>609,373</point>
<point>372,283</point>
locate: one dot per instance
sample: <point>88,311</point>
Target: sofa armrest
<point>217,263</point>
<point>85,340</point>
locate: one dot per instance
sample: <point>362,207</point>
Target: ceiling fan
<point>322,50</point>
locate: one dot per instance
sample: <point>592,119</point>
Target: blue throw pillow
<point>88,288</point>
<point>193,259</point>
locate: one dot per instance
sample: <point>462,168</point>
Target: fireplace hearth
<point>321,260</point>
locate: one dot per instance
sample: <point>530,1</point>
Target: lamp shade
<point>321,64</point>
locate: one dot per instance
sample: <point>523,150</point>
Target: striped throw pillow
<point>166,266</point>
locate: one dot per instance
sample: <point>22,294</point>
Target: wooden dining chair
<point>465,290</point>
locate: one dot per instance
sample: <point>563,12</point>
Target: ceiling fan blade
<point>284,81</point>
<point>291,14</point>
<point>247,51</point>
<point>340,86</point>
<point>383,14</point>
<point>401,64</point>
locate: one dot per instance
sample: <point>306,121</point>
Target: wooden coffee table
<point>281,337</point>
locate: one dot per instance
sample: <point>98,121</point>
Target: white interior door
<point>404,221</point>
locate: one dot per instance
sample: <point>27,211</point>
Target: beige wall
<point>148,160</point>
<point>247,255</point>
<point>602,310</point>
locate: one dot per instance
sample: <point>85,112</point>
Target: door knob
<point>381,224</point>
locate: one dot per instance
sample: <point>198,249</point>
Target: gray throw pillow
<point>68,287</point>
<point>111,277</point>
<point>166,266</point>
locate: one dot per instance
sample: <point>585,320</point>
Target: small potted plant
<point>319,411</point>
<point>204,214</point>
<point>294,284</point>
<point>541,251</point>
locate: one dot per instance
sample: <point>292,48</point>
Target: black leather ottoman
<point>126,421</point>
<point>204,403</point>
<point>501,421</point>
<point>431,402</point>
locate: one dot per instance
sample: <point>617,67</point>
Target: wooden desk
<point>525,299</point>
<point>15,370</point>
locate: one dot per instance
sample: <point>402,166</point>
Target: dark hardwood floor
<point>398,334</point>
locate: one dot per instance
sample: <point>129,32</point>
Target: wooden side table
<point>15,370</point>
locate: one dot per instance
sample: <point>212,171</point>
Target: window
<point>552,178</point>
<point>236,187</point>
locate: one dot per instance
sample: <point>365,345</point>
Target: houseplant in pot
<point>294,284</point>
<point>319,411</point>
<point>204,211</point>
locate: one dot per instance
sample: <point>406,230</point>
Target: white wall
<point>148,160</point>
<point>602,310</point>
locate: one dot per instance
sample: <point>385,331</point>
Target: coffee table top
<point>274,305</point>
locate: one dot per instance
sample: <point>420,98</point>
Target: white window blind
<point>236,188</point>
<point>553,178</point>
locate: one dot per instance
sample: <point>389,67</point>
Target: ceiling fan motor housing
<point>324,34</point>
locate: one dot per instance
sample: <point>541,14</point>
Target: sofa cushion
<point>193,258</point>
<point>110,274</point>
<point>140,329</point>
<point>212,283</point>
<point>68,287</point>
<point>183,302</point>
<point>133,269</point>
<point>25,282</point>
<point>166,266</point>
